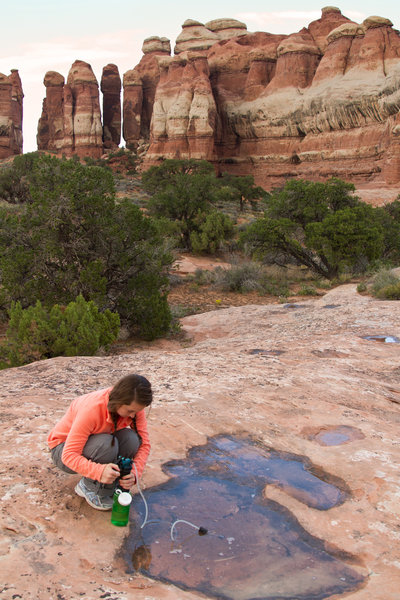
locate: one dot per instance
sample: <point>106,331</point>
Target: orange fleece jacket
<point>86,416</point>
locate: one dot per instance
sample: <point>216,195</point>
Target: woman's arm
<point>144,449</point>
<point>82,427</point>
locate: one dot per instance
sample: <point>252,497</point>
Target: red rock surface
<point>111,88</point>
<point>312,374</point>
<point>11,109</point>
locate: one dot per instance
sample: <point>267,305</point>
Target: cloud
<point>287,21</point>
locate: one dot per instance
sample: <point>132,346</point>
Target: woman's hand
<point>128,481</point>
<point>110,473</point>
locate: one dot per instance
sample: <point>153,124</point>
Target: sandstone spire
<point>11,102</point>
<point>111,88</point>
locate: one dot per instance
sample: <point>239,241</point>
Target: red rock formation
<point>298,59</point>
<point>140,86</point>
<point>87,136</point>
<point>71,123</point>
<point>184,113</point>
<point>318,103</point>
<point>50,134</point>
<point>111,88</point>
<point>321,102</point>
<point>11,98</point>
<point>132,107</point>
<point>320,29</point>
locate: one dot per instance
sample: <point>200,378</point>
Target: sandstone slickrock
<point>11,113</point>
<point>284,376</point>
<point>111,88</point>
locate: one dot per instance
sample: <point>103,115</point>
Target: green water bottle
<point>120,509</point>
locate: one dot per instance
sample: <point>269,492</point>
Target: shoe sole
<point>82,495</point>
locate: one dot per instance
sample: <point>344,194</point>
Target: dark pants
<point>99,449</point>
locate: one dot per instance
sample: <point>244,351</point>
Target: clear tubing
<point>143,498</point>
<point>181,521</point>
<point>147,510</point>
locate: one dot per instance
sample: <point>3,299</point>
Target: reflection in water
<point>254,547</point>
<point>338,435</point>
<point>386,339</point>
<point>267,352</point>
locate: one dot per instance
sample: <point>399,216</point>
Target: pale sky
<point>49,35</point>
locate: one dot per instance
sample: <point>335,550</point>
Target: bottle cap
<point>124,498</point>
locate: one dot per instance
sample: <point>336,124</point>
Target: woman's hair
<point>132,388</point>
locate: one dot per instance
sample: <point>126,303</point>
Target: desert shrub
<point>249,276</point>
<point>322,226</point>
<point>246,277</point>
<point>384,285</point>
<point>214,229</point>
<point>383,279</point>
<point>362,287</point>
<point>307,290</point>
<point>203,277</point>
<point>390,292</point>
<point>73,238</point>
<point>36,333</point>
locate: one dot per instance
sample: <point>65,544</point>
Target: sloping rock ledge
<point>325,376</point>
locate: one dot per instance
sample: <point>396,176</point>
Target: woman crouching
<point>96,429</point>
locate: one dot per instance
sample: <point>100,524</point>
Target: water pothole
<point>267,352</point>
<point>385,339</point>
<point>334,436</point>
<point>255,548</point>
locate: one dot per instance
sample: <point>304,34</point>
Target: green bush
<point>214,229</point>
<point>383,279</point>
<point>307,290</point>
<point>73,237</point>
<point>36,333</point>
<point>202,277</point>
<point>390,292</point>
<point>246,277</point>
<point>362,287</point>
<point>322,226</point>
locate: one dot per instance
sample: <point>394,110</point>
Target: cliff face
<point>322,102</point>
<point>11,97</point>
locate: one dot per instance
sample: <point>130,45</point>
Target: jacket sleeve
<point>82,427</point>
<point>144,449</point>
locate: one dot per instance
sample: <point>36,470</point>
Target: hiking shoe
<point>95,500</point>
